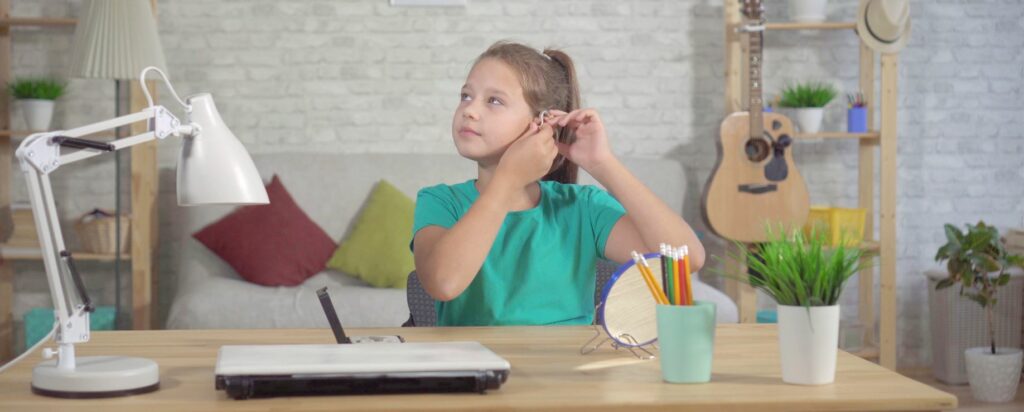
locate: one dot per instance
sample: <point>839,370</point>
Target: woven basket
<point>96,231</point>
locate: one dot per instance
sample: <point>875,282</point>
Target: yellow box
<point>837,223</point>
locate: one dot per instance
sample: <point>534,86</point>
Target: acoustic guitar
<point>755,183</point>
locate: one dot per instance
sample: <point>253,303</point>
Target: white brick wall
<point>361,76</point>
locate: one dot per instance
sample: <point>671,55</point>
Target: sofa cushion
<point>271,245</point>
<point>375,249</point>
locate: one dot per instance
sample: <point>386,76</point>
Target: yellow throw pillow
<point>377,248</point>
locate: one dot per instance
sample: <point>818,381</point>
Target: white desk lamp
<point>214,168</point>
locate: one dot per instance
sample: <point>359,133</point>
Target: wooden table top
<point>548,373</point>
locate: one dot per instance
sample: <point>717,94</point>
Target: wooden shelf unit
<point>144,180</point>
<point>880,140</point>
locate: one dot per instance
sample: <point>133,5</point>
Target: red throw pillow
<point>272,245</point>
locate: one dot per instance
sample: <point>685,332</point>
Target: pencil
<point>660,296</point>
<point>677,278</point>
<point>667,270</point>
<point>689,276</point>
<point>664,274</point>
<point>641,264</point>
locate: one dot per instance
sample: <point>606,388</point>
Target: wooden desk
<point>548,373</point>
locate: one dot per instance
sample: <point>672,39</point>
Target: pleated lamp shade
<point>116,39</point>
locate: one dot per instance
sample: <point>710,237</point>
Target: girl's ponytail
<point>562,169</point>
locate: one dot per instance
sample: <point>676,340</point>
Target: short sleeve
<point>435,206</point>
<point>604,212</point>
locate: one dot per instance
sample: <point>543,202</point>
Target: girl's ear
<point>542,117</point>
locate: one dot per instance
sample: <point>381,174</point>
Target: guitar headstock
<point>753,9</point>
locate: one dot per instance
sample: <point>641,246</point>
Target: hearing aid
<point>543,114</point>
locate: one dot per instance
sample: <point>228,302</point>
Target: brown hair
<point>549,82</point>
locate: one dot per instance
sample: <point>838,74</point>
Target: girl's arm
<point>648,221</point>
<point>447,260</point>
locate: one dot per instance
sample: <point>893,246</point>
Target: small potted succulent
<point>808,101</point>
<point>805,277</point>
<point>979,263</point>
<point>36,96</point>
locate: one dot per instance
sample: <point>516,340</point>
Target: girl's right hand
<point>529,157</point>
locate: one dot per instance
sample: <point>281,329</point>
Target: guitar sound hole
<point>776,125</point>
<point>756,149</point>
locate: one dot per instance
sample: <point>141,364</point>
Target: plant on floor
<point>799,270</point>
<point>808,94</point>
<point>36,88</point>
<point>978,262</point>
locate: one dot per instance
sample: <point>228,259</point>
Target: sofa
<point>206,293</point>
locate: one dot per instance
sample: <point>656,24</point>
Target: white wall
<point>361,76</point>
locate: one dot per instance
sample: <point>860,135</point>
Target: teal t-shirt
<point>540,269</point>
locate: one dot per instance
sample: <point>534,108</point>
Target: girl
<point>519,244</point>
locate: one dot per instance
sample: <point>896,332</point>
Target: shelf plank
<point>36,21</point>
<point>868,352</point>
<point>15,252</point>
<point>837,135</point>
<point>825,25</point>
<point>871,246</point>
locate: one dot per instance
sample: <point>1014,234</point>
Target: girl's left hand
<point>591,148</point>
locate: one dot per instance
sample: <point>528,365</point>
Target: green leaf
<point>1004,279</point>
<point>945,283</point>
<point>977,298</point>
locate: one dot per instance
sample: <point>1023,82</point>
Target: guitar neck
<point>756,103</point>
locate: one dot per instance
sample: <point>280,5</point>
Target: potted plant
<point>807,11</point>
<point>37,96</point>
<point>808,101</point>
<point>978,262</point>
<point>805,277</point>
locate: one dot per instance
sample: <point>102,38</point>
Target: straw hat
<point>884,25</point>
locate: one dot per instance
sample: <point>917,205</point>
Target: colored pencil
<point>689,276</point>
<point>677,272</point>
<point>641,264</point>
<point>667,285</point>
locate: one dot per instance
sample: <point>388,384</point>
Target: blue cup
<point>857,120</point>
<point>686,341</point>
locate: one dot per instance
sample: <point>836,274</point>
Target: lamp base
<point>96,377</point>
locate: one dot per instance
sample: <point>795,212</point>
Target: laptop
<point>378,366</point>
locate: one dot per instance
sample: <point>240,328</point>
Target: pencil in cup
<point>681,285</point>
<point>652,285</point>
<point>669,285</point>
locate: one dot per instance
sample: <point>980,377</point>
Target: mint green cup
<point>686,338</point>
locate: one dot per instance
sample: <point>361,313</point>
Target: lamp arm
<point>42,150</point>
<point>39,155</point>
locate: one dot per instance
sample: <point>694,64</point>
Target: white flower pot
<point>808,344</point>
<point>993,378</point>
<point>807,10</point>
<point>809,118</point>
<point>38,113</point>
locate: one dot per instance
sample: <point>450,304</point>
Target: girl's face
<point>492,112</point>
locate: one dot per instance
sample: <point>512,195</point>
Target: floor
<point>963,394</point>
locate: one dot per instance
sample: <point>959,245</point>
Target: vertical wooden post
<point>6,273</point>
<point>733,58</point>
<point>144,188</point>
<point>866,195</point>
<point>887,222</point>
<point>736,78</point>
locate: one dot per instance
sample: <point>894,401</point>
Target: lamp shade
<point>214,167</point>
<point>115,39</point>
